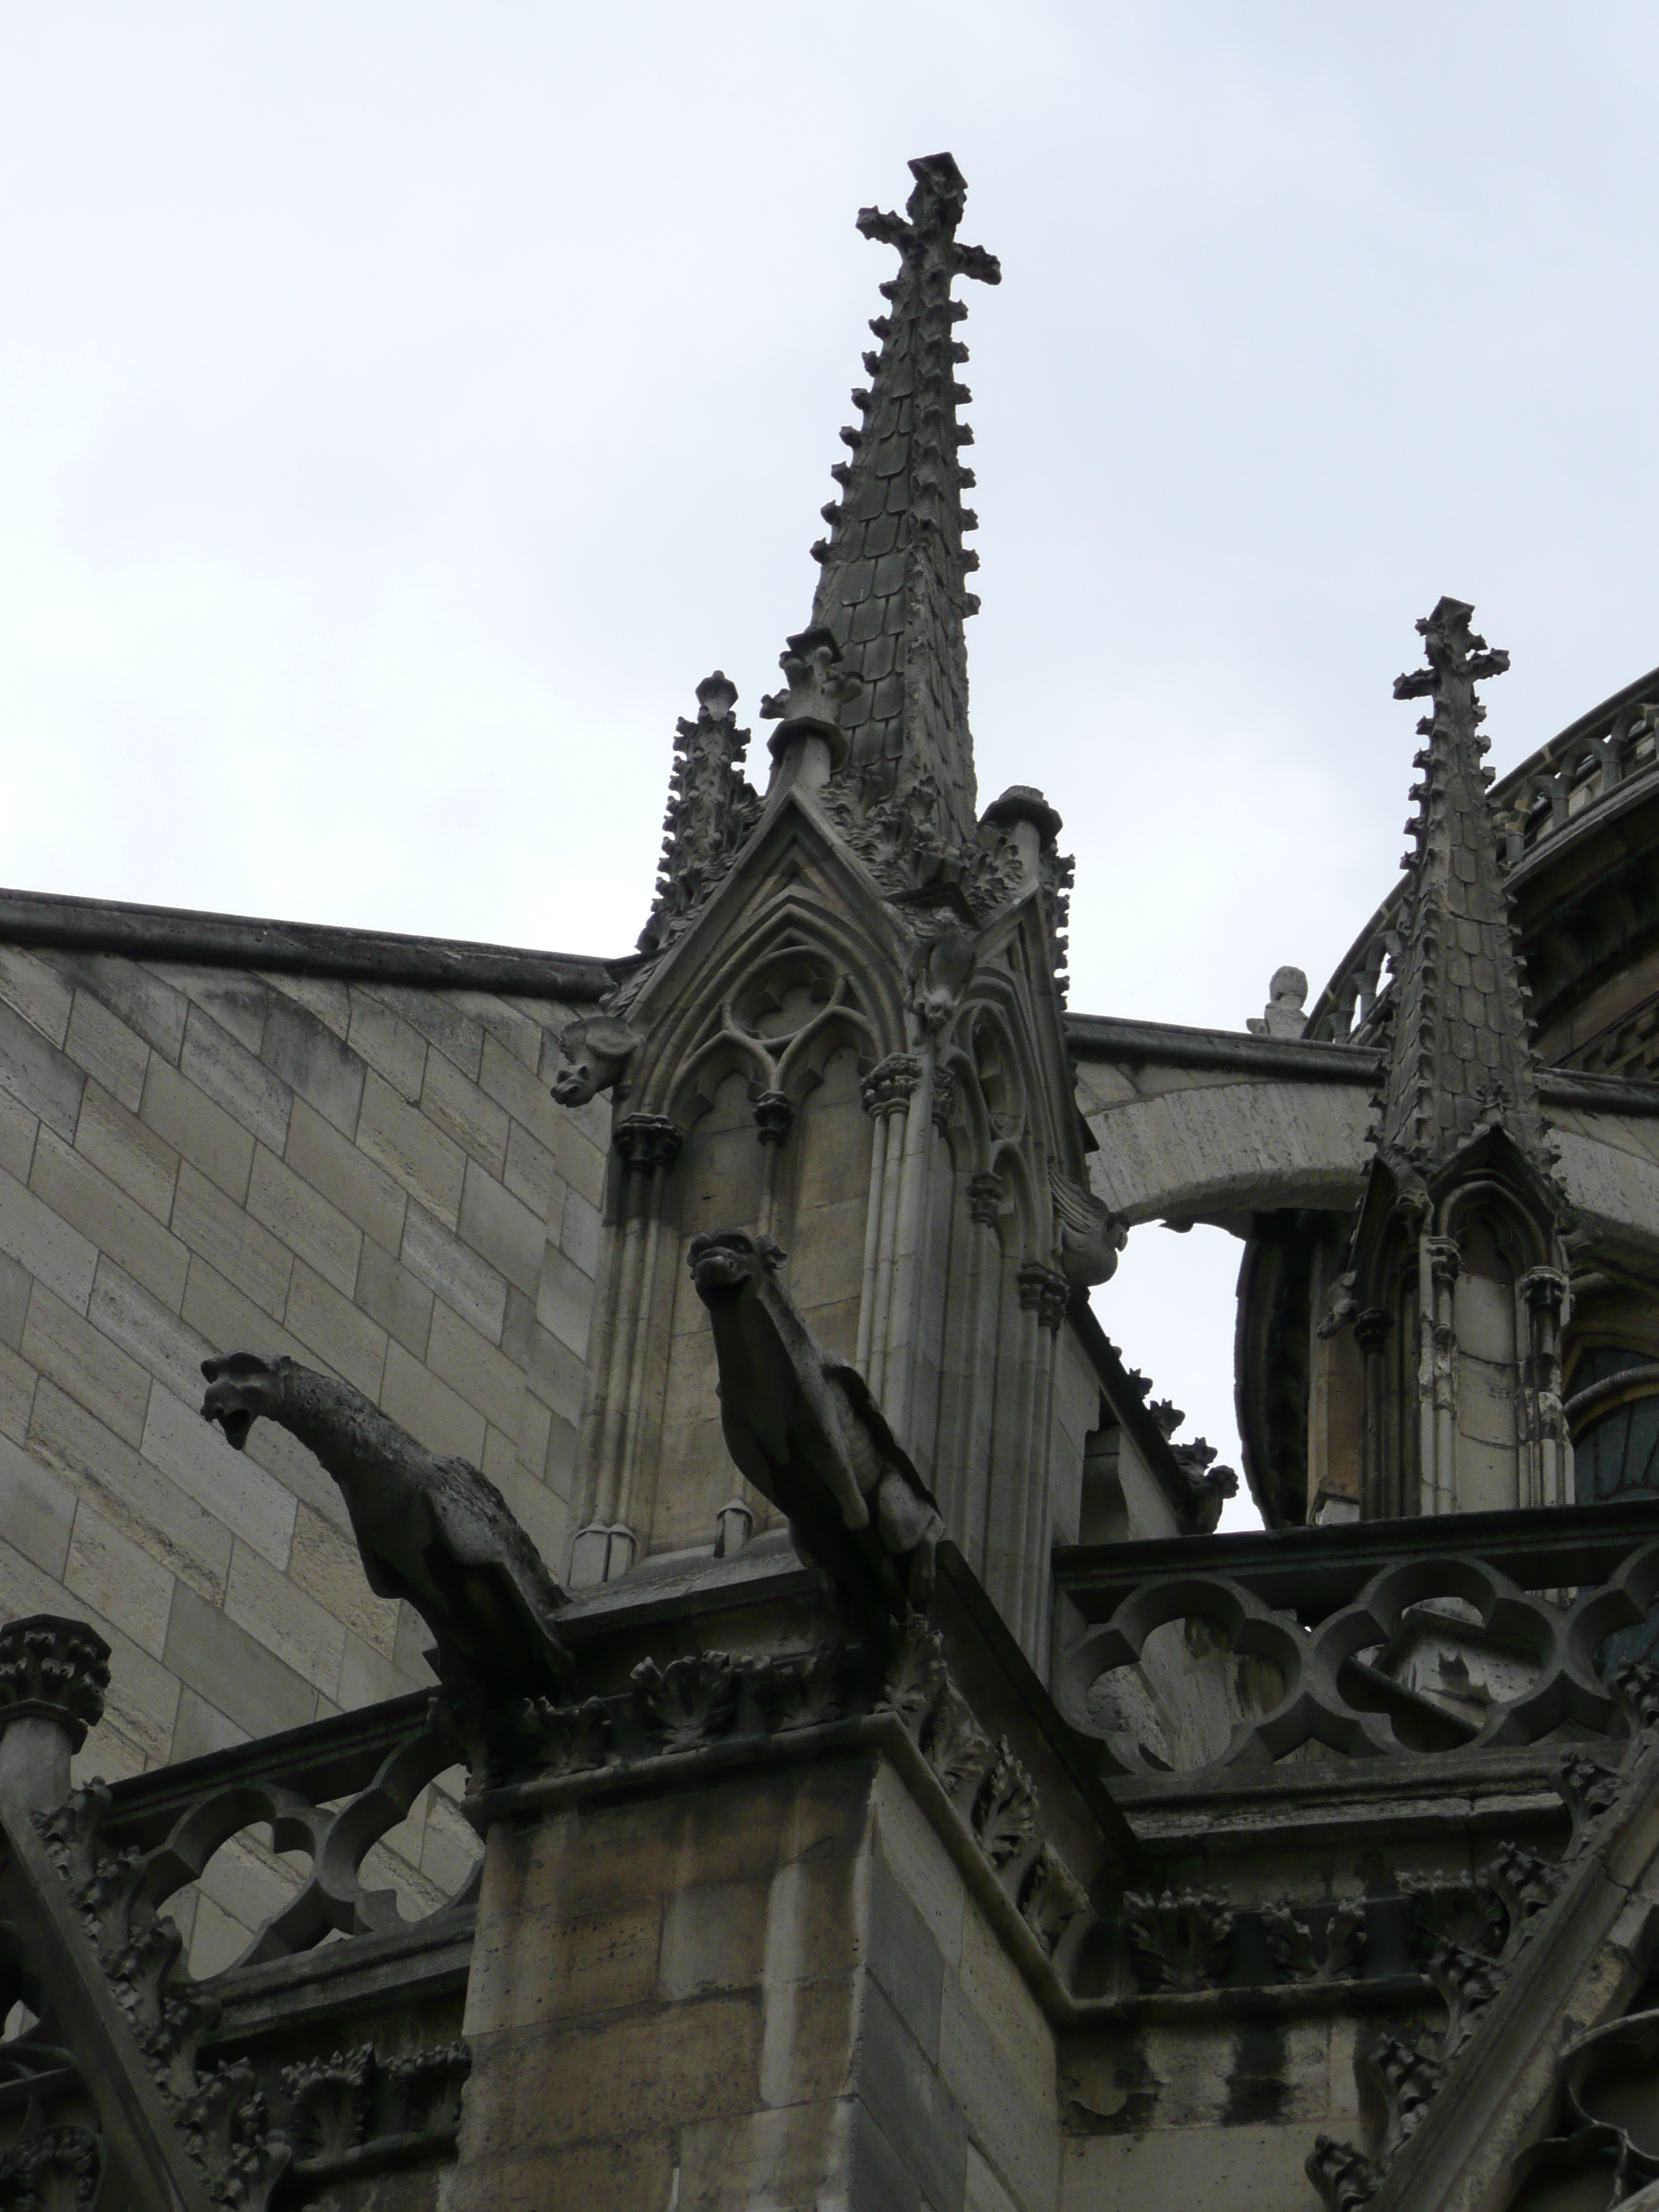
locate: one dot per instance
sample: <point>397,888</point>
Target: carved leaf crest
<point>954,1745</point>
<point>690,1700</point>
<point>330,2102</point>
<point>1525,1886</point>
<point>1410,2080</point>
<point>1343,2177</point>
<point>1308,1954</point>
<point>802,1689</point>
<point>566,1739</point>
<point>1468,1981</point>
<point>226,2128</point>
<point>1178,1940</point>
<point>1050,1899</point>
<point>916,1673</point>
<point>1004,1811</point>
<point>1591,1790</point>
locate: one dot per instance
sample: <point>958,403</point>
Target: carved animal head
<point>595,1053</point>
<point>729,1264</point>
<point>942,975</point>
<point>241,1387</point>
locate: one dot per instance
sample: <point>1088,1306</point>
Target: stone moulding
<point>713,1711</point>
<point>356,2114</point>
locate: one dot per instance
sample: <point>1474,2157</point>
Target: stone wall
<point>372,1178</point>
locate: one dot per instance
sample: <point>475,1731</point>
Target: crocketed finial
<point>892,592</point>
<point>1460,1045</point>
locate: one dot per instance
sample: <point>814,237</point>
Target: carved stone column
<point>887,1092</point>
<point>647,1145</point>
<point>1543,1295</point>
<point>1439,1264</point>
<point>1018,1489</point>
<point>1379,1493</point>
<point>963,1474</point>
<point>908,1305</point>
<point>1053,1295</point>
<point>53,1674</point>
<point>775,1117</point>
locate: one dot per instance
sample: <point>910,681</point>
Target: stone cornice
<point>52,921</point>
<point>1107,1037</point>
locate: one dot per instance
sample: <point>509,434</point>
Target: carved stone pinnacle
<point>818,688</point>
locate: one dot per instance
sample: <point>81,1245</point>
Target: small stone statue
<point>433,1531</point>
<point>802,1427</point>
<point>1283,1015</point>
<point>594,1053</point>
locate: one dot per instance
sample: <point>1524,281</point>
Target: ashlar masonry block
<point>724,1984</point>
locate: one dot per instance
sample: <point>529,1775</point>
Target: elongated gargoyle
<point>433,1531</point>
<point>803,1427</point>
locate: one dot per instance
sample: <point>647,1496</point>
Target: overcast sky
<point>402,407</point>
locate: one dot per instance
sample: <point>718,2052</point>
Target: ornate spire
<point>891,593</point>
<point>1460,1053</point>
<point>711,810</point>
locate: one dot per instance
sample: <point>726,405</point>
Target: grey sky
<point>402,407</point>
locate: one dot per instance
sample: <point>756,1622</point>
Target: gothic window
<point>1617,1449</point>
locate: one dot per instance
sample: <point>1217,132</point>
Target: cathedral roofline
<point>54,921</point>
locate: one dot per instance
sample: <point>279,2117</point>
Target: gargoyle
<point>1091,1235</point>
<point>433,1531</point>
<point>1210,1486</point>
<point>594,1053</point>
<point>804,1428</point>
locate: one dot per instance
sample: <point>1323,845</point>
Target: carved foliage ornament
<point>354,2111</point>
<point>52,2170</point>
<point>1474,1937</point>
<point>707,1699</point>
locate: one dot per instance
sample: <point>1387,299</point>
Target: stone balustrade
<point>1479,1632</point>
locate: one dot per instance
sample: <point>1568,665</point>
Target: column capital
<point>1544,1289</point>
<point>646,1141</point>
<point>890,1082</point>
<point>53,1669</point>
<point>1044,1291</point>
<point>1371,1328</point>
<point>1445,1260</point>
<point>774,1116</point>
